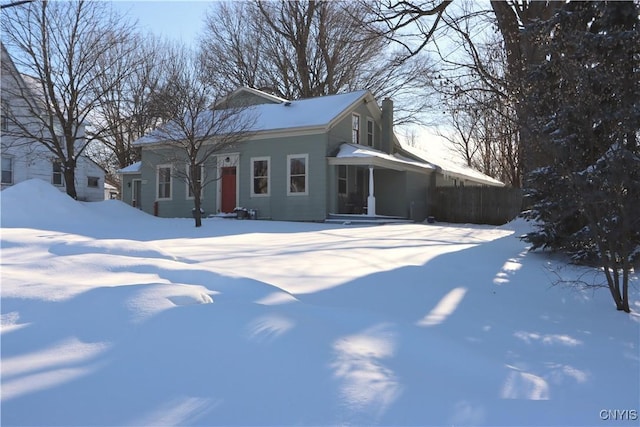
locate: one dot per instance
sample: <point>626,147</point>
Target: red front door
<point>228,189</point>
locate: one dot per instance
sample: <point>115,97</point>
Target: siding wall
<point>322,197</point>
<point>277,205</point>
<point>85,168</point>
<point>417,195</point>
<point>341,132</point>
<point>127,187</point>
<point>390,192</point>
<point>34,161</point>
<point>31,159</point>
<point>402,194</point>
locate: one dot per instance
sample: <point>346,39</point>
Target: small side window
<point>7,170</point>
<point>93,181</point>
<point>56,178</point>
<point>163,176</point>
<point>355,128</point>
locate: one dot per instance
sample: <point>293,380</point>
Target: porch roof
<point>131,169</point>
<point>359,155</point>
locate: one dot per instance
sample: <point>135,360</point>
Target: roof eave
<point>378,162</point>
<point>477,180</point>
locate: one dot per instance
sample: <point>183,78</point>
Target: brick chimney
<point>386,141</point>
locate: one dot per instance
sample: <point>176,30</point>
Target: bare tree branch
<point>59,45</point>
<point>196,132</point>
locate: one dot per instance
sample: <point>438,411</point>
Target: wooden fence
<point>476,205</point>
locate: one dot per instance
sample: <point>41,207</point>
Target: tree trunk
<point>626,267</point>
<point>522,51</point>
<point>197,203</point>
<point>70,178</point>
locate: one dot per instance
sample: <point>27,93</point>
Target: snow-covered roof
<point>310,112</point>
<point>133,168</point>
<point>319,112</point>
<point>453,169</point>
<point>359,154</point>
<point>265,95</point>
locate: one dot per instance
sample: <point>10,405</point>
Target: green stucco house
<point>302,160</point>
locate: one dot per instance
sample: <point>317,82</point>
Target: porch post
<point>371,200</point>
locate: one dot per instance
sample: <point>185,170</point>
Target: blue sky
<point>176,20</point>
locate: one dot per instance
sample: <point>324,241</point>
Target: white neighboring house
<point>111,192</point>
<point>24,159</point>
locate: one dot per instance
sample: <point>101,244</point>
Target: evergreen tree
<point>586,197</point>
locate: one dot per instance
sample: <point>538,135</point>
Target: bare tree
<point>65,48</point>
<point>412,24</point>
<point>295,49</point>
<point>523,51</point>
<point>480,120</point>
<point>469,66</point>
<point>309,48</point>
<point>199,125</point>
<point>126,111</point>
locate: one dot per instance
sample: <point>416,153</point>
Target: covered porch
<point>374,184</point>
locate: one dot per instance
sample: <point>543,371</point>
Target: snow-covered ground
<point>112,317</point>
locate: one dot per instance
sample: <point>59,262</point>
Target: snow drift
<point>113,317</point>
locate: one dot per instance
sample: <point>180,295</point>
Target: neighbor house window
<point>164,182</point>
<point>195,179</point>
<point>7,170</point>
<point>260,176</point>
<point>342,179</point>
<point>297,174</point>
<point>355,128</point>
<point>56,177</point>
<point>370,131</point>
<point>92,181</point>
<point>5,117</point>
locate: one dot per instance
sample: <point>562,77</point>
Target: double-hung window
<point>370,132</point>
<point>260,170</point>
<point>298,174</point>
<point>355,128</point>
<point>163,179</point>
<point>7,170</point>
<point>56,176</point>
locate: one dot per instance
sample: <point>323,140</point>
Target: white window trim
<point>359,128</point>
<point>251,183</point>
<point>13,166</point>
<point>186,184</point>
<point>373,132</point>
<point>53,162</point>
<point>158,182</point>
<point>306,174</point>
